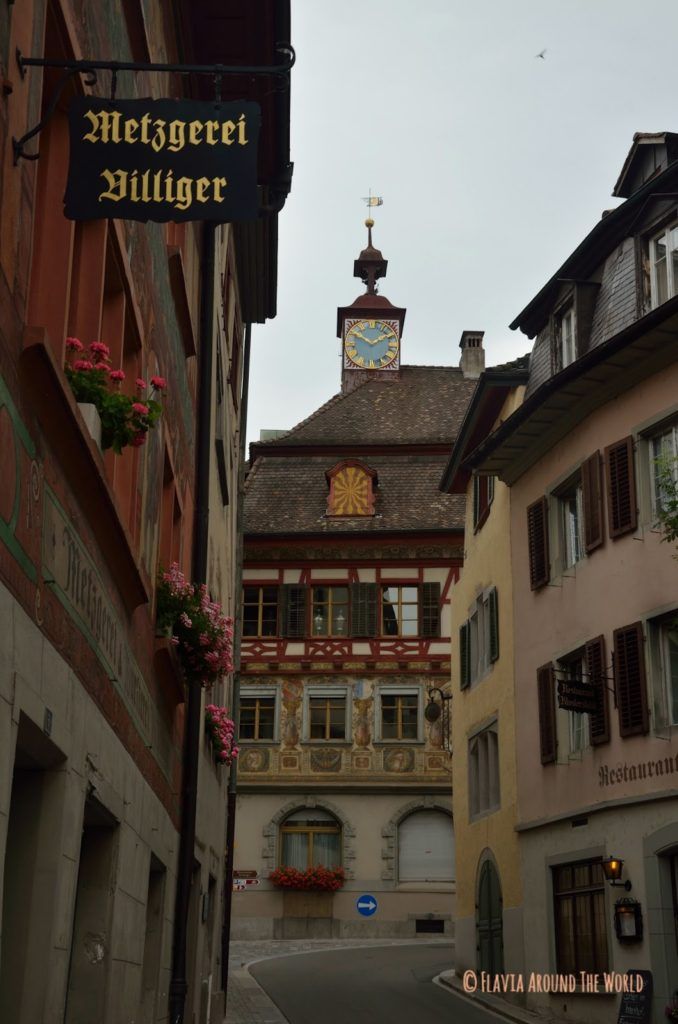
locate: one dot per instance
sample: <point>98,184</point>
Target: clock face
<point>370,344</point>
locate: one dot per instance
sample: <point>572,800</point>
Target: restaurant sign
<point>574,695</point>
<point>162,160</point>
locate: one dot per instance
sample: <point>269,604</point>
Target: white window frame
<point>657,447</point>
<point>326,691</point>
<point>262,691</point>
<point>662,697</point>
<point>479,637</point>
<point>484,776</point>
<point>398,691</point>
<point>670,278</point>
<point>567,338</point>
<point>562,539</point>
<point>572,726</point>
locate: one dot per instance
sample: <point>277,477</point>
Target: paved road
<point>379,985</point>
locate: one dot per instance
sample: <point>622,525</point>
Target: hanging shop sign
<point>577,696</point>
<point>162,160</point>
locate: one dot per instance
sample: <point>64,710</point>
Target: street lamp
<point>612,869</point>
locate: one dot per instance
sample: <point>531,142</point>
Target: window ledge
<point>481,815</point>
<point>398,743</point>
<point>54,405</point>
<point>327,743</point>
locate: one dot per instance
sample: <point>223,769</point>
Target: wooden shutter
<point>548,738</point>
<point>538,543</point>
<point>629,670</point>
<point>592,500</point>
<point>464,656</point>
<point>429,609</point>
<point>622,515</point>
<point>494,624</point>
<point>363,609</point>
<point>293,598</point>
<point>599,724</point>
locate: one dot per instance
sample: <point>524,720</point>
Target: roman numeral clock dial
<point>371,344</point>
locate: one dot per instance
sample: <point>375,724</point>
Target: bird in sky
<point>541,54</point>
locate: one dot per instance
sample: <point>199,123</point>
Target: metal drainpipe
<point>193,725</point>
<point>237,634</point>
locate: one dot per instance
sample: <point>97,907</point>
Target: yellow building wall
<point>487,563</point>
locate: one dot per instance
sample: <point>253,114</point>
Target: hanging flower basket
<point>125,419</point>
<point>202,636</point>
<point>318,879</point>
<point>221,730</point>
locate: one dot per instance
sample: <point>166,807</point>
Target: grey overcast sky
<point>493,165</point>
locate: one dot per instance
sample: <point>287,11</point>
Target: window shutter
<point>599,724</point>
<point>629,670</point>
<point>547,713</point>
<point>293,599</point>
<point>464,656</point>
<point>494,624</point>
<point>363,609</point>
<point>429,614</point>
<point>621,488</point>
<point>592,498</point>
<point>538,543</point>
<point>476,501</point>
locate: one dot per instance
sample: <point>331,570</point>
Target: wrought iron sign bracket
<point>91,67</point>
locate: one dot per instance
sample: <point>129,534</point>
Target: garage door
<point>426,848</point>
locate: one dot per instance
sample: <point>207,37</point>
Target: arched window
<point>426,848</point>
<point>309,838</point>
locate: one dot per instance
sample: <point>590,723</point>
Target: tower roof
<point>370,265</point>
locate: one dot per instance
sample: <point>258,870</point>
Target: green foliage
<point>667,487</point>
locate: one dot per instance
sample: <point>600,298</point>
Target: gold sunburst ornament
<point>350,491</point>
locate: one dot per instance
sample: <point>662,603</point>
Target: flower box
<point>317,879</point>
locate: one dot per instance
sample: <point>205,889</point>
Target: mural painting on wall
<point>254,759</point>
<point>326,760</point>
<point>436,734</point>
<point>361,722</point>
<point>435,763</point>
<point>399,761</point>
<point>362,762</point>
<point>289,761</point>
<point>291,699</point>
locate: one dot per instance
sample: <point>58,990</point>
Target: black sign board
<point>162,160</point>
<point>577,696</point>
<point>636,1007</point>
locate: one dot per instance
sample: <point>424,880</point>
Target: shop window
<point>580,918</point>
<point>260,611</point>
<point>483,772</point>
<point>310,838</point>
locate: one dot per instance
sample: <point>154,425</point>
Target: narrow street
<point>378,985</point>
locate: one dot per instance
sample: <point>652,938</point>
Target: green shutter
<point>430,609</point>
<point>494,624</point>
<point>293,599</point>
<point>363,609</point>
<point>464,656</point>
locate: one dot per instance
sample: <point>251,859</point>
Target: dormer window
<point>352,487</point>
<point>566,339</point>
<point>664,265</point>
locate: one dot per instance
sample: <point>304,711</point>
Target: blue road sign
<point>367,905</point>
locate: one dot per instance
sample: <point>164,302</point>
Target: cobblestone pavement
<point>249,1004</point>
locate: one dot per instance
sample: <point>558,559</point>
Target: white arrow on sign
<point>366,905</point>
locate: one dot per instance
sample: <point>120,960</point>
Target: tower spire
<point>370,265</point>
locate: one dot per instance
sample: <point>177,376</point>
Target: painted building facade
<point>351,554</point>
<point>92,703</point>
<point>596,600</point>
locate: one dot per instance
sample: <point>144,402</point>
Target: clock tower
<point>371,328</point>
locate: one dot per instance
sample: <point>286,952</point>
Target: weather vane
<point>371,200</point>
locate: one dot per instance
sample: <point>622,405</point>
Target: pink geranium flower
<point>141,383</point>
<point>138,439</point>
<point>118,375</point>
<point>159,383</point>
<point>140,408</point>
<point>83,364</point>
<point>99,349</point>
<point>74,344</point>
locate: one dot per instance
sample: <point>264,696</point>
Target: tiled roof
<point>425,406</point>
<point>289,496</point>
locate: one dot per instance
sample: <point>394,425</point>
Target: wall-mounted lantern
<point>438,706</point>
<point>628,920</point>
<point>612,869</point>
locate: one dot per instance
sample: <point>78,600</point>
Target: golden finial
<point>369,223</point>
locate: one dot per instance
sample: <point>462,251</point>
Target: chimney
<point>472,360</point>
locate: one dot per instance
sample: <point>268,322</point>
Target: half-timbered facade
<point>351,554</point>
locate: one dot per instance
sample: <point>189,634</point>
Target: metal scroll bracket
<point>90,68</point>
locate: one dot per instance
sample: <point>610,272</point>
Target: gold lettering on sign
<point>109,126</point>
<point>160,187</point>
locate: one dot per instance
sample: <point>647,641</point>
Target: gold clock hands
<point>357,334</point>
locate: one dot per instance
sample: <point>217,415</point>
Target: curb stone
<point>497,1005</point>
